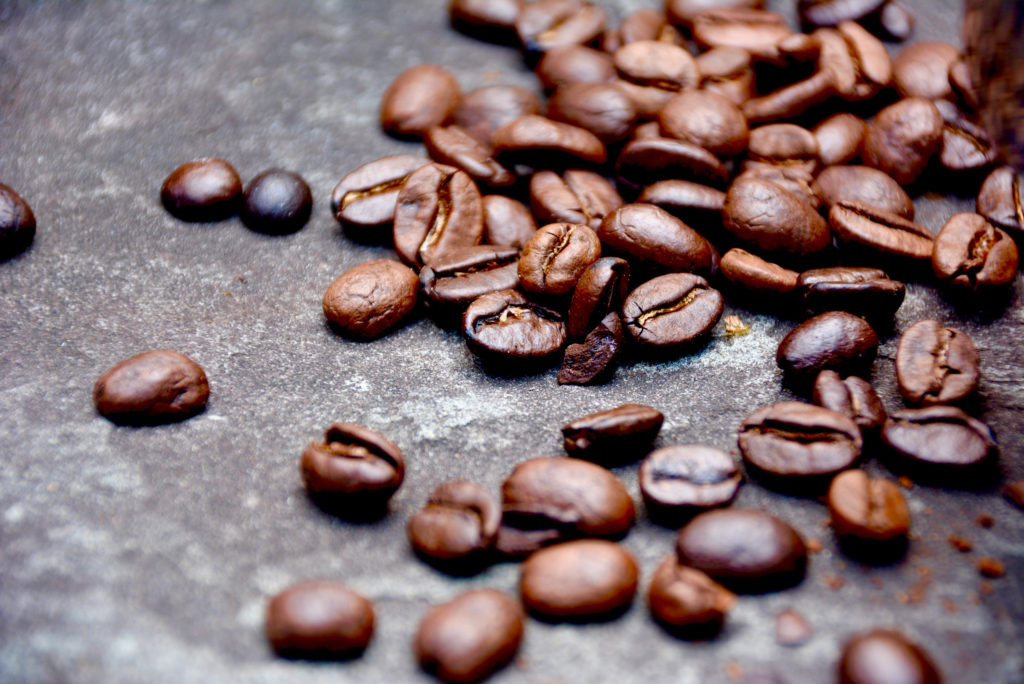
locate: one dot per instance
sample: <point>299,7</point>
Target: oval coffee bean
<point>645,161</point>
<point>470,637</point>
<point>483,111</point>
<point>17,223</point>
<point>277,202</point>
<point>755,275</point>
<point>620,435</point>
<point>438,210</point>
<point>831,12</point>
<point>902,139</point>
<point>705,119</point>
<point>791,100</point>
<point>784,144</point>
<point>595,359</point>
<point>966,146</point>
<point>756,31</point>
<point>547,24</point>
<point>682,597</point>
<point>202,190</point>
<point>726,71</point>
<point>487,19</point>
<point>671,312</point>
<point>834,340</point>
<point>505,327</point>
<point>682,479</point>
<point>653,237</point>
<point>455,280</point>
<point>421,97</point>
<point>839,138</point>
<point>540,142</point>
<point>157,386</point>
<point>866,509</point>
<point>793,439</point>
<point>555,257</point>
<point>604,109</point>
<point>507,222</point>
<point>1001,199</point>
<point>354,469</point>
<point>744,549</point>
<point>657,64</point>
<point>641,24</point>
<point>859,290</point>
<point>863,184</point>
<point>971,253</point>
<point>454,146</point>
<point>319,619</point>
<point>587,579</point>
<point>936,364</point>
<point>371,298</point>
<point>366,197</point>
<point>939,437</point>
<point>599,291</point>
<point>685,200</point>
<point>575,196</point>
<point>895,22</point>
<point>457,526</point>
<point>884,656</point>
<point>574,64</point>
<point>682,12</point>
<point>854,397</point>
<point>856,223</point>
<point>773,219</point>
<point>796,179</point>
<point>922,69</point>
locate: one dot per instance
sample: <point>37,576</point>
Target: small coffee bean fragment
<point>319,620</point>
<point>555,257</point>
<point>507,222</point>
<point>575,196</point>
<point>438,210</point>
<point>834,340</point>
<point>457,526</point>
<point>453,281</point>
<point>421,97</point>
<point>885,656</point>
<point>936,364</point>
<point>854,397</point>
<point>157,386</point>
<point>17,223</point>
<point>365,198</point>
<point>863,184</point>
<point>876,230</point>
<point>686,600</point>
<point>991,567</point>
<point>1001,199</point>
<point>599,291</point>
<point>483,111</point>
<point>922,69</point>
<point>940,440</point>
<point>839,138</point>
<point>902,138</point>
<point>595,359</point>
<point>371,298</point>
<point>970,253</point>
<point>680,480</point>
<point>354,470</point>
<point>756,276</point>
<point>619,435</point>
<point>202,190</point>
<point>707,120</point>
<point>277,202</point>
<point>867,510</point>
<point>671,312</point>
<point>506,329</point>
<point>859,290</point>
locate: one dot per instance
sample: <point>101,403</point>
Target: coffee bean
<point>657,64</point>
<point>902,139</point>
<point>922,69</point>
<point>863,184</point>
<point>505,328</point>
<point>796,179</point>
<point>277,202</point>
<point>457,526</point>
<point>546,24</point>
<point>962,84</point>
<point>470,637</point>
<point>784,144</point>
<point>574,64</point>
<point>202,190</point>
<point>895,22</point>
<point>860,290</point>
<point>858,62</point>
<point>353,471</point>
<point>831,12</point>
<point>157,386</point>
<point>319,620</point>
<point>647,130</point>
<point>682,597</point>
<point>599,291</point>
<point>1014,493</point>
<point>860,224</point>
<point>17,223</point>
<point>685,200</point>
<point>773,219</point>
<point>939,438</point>
<point>1000,199</point>
<point>371,298</point>
<point>965,146</point>
<point>791,100</point>
<point>596,358</point>
<point>555,257</point>
<point>575,196</point>
<point>755,276</point>
<point>707,120</point>
<point>621,435</point>
<point>584,580</point>
<point>604,109</point>
<point>540,142</point>
<point>726,71</point>
<point>867,510</point>
<point>834,340</point>
<point>645,161</point>
<point>546,500</point>
<point>682,12</point>
<point>757,31</point>
<point>884,656</point>
<point>936,364</point>
<point>454,146</point>
<point>486,19</point>
<point>483,111</point>
<point>854,397</point>
<point>680,480</point>
<point>744,549</point>
<point>670,313</point>
<point>438,211</point>
<point>507,221</point>
<point>642,24</point>
<point>971,253</point>
<point>653,237</point>
<point>839,138</point>
<point>451,283</point>
<point>421,97</point>
<point>364,200</point>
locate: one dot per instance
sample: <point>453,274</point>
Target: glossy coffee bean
<point>470,637</point>
<point>744,549</point>
<point>621,435</point>
<point>451,283</point>
<point>507,329</point>
<point>507,221</point>
<point>593,360</point>
<point>784,144</point>
<point>831,12</point>
<point>707,120</point>
<point>353,470</point>
<point>574,196</point>
<point>202,190</point>
<point>456,527</point>
<point>421,97</point>
<point>773,219</point>
<point>727,71</point>
<point>791,100</point>
<point>685,200</point>
<point>858,62</point>
<point>966,146</point>
<point>454,146</point>
<point>971,253</point>
<point>863,184</point>
<point>680,480</point>
<point>895,22</point>
<point>599,291</point>
<point>682,597</point>
<point>641,24</point>
<point>682,12</point>
<point>756,276</point>
<point>371,298</point>
<point>1001,199</point>
<point>670,313</point>
<point>604,109</point>
<point>884,656</point>
<point>483,111</point>
<point>365,198</point>
<point>922,69</point>
<point>582,580</point>
<point>574,64</point>
<point>876,230</point>
<point>540,142</point>
<point>547,24</point>
<point>939,438</point>
<point>860,290</point>
<point>486,19</point>
<point>650,236</point>
<point>17,223</point>
<point>796,179</point>
<point>438,210</point>
<point>834,340</point>
<point>866,509</point>
<point>277,202</point>
<point>645,161</point>
<point>793,439</point>
<point>854,397</point>
<point>657,64</point>
<point>936,364</point>
<point>902,139</point>
<point>839,138</point>
<point>157,386</point>
<point>757,31</point>
<point>555,257</point>
<point>319,620</point>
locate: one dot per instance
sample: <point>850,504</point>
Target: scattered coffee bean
<point>831,12</point>
<point>604,109</point>
<point>858,62</point>
<point>682,12</point>
<point>705,119</point>
<point>507,221</point>
<point>784,144</point>
<point>1014,493</point>
<point>364,200</point>
<point>727,71</point>
<point>371,298</point>
<point>546,24</point>
<point>648,160</point>
<point>971,253</point>
<point>657,64</point>
<point>867,510</point>
<point>157,386</point>
<point>839,138</point>
<point>834,340</point>
<point>965,146</point>
<point>792,628</point>
<point>505,327</point>
<point>555,257</point>
<point>685,200</point>
<point>453,145</point>
<point>457,526</point>
<point>755,275</point>
<point>542,143</point>
<point>582,580</point>
<point>863,184</point>
<point>574,64</point>
<point>438,210</point>
<point>599,291</point>
<point>319,620</point>
<point>902,138</point>
<point>596,358</point>
<point>771,218</point>
<point>1001,199</point>
<point>620,435</point>
<point>922,69</point>
<point>575,196</point>
<point>421,97</point>
<point>686,599</point>
<point>671,312</point>
<point>936,364</point>
<point>854,397</point>
<point>876,230</point>
<point>792,100</point>
<point>680,480</point>
<point>354,470</point>
<point>796,179</point>
<point>488,19</point>
<point>17,223</point>
<point>940,438</point>
<point>452,282</point>
<point>202,190</point>
<point>652,237</point>
<point>642,24</point>
<point>277,202</point>
<point>859,290</point>
<point>756,31</point>
<point>483,111</point>
<point>883,656</point>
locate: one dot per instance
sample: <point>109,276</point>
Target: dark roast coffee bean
<point>680,480</point>
<point>645,161</point>
<point>546,500</point>
<point>642,24</point>
<point>885,656</point>
<point>320,620</point>
<point>858,62</point>
<point>277,202</point>
<point>965,146</point>
<point>791,100</point>
<point>866,509</point>
<point>421,97</point>
<point>596,358</point>
<point>599,291</point>
<point>540,142</point>
<point>685,200</point>
<point>939,437</point>
<point>834,340</point>
<point>784,144</point>
<point>579,580</point>
<point>831,12</point>
<point>488,19</point>
<point>555,257</point>
<point>575,196</point>
<point>438,211</point>
<point>671,312</point>
<point>483,111</point>
<point>864,291</point>
<point>969,252</point>
<point>744,549</point>
<point>653,237</point>
<point>657,64</point>
<point>936,364</point>
<point>756,31</point>
<point>158,386</point>
<point>726,71</point>
<point>574,64</point>
<point>1000,199</point>
<point>202,190</point>
<point>682,597</point>
<point>366,197</point>
<point>604,109</point>
<point>861,224</point>
<point>546,24</point>
<point>922,69</point>
<point>705,119</point>
<point>470,637</point>
<point>622,434</point>
<point>773,219</point>
<point>854,397</point>
<point>793,439</point>
<point>902,139</point>
<point>507,221</point>
<point>755,275</point>
<point>863,184</point>
<point>505,327</point>
<point>895,22</point>
<point>371,298</point>
<point>353,470</point>
<point>17,222</point>
<point>796,179</point>
<point>451,283</point>
<point>454,146</point>
<point>961,83</point>
<point>682,12</point>
<point>839,138</point>
<point>457,526</point>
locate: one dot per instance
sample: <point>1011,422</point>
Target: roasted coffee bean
<point>902,139</point>
<point>647,130</point>
<point>682,597</point>
<point>483,111</point>
<point>784,144</point>
<point>671,312</point>
<point>438,211</point>
<point>17,223</point>
<point>354,470</point>
<point>757,31</point>
<point>755,275</point>
<point>726,71</point>
<point>680,480</point>
<point>582,580</point>
<point>922,69</point>
<point>575,196</point>
<point>791,100</point>
<point>965,146</point>
<point>507,221</point>
<point>645,161</point>
<point>895,22</point>
<point>546,24</point>
<point>454,146</point>
<point>793,439</point>
<point>599,291</point>
<point>202,190</point>
<point>604,109</point>
<point>574,64</point>
<point>657,64</point>
<point>642,24</point>
<point>864,291</point>
<point>685,200</point>
<point>705,119</point>
<point>969,252</point>
<point>885,656</point>
<point>744,549</point>
<point>961,83</point>
<point>421,97</point>
<point>555,257</point>
<point>620,435</point>
<point>277,202</point>
<point>1000,199</point>
<point>867,510</point>
<point>451,283</point>
<point>936,364</point>
<point>863,184</point>
<point>457,526</point>
<point>861,224</point>
<point>371,298</point>
<point>319,620</point>
<point>470,637</point>
<point>504,327</point>
<point>489,19</point>
<point>834,340</point>
<point>653,237</point>
<point>682,12</point>
<point>773,219</point>
<point>365,199</point>
<point>540,142</point>
<point>546,500</point>
<point>596,358</point>
<point>157,386</point>
<point>858,62</point>
<point>939,437</point>
<point>854,397</point>
<point>648,100</point>
<point>796,179</point>
<point>839,138</point>
<point>831,12</point>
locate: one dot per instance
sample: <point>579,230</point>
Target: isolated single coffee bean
<point>881,656</point>
<point>506,329</point>
<point>669,313</point>
<point>618,435</point>
<point>421,97</point>
<point>456,527</point>
<point>438,210</point>
<point>867,510</point>
<point>970,253</point>
<point>365,198</point>
<point>795,440</point>
<point>936,364</point>
<point>319,620</point>
<point>202,190</point>
<point>834,340</point>
<point>854,397</point>
<point>371,298</point>
<point>354,470</point>
<point>277,202</point>
<point>684,598</point>
<point>860,290</point>
<point>17,223</point>
<point>158,386</point>
<point>681,480</point>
